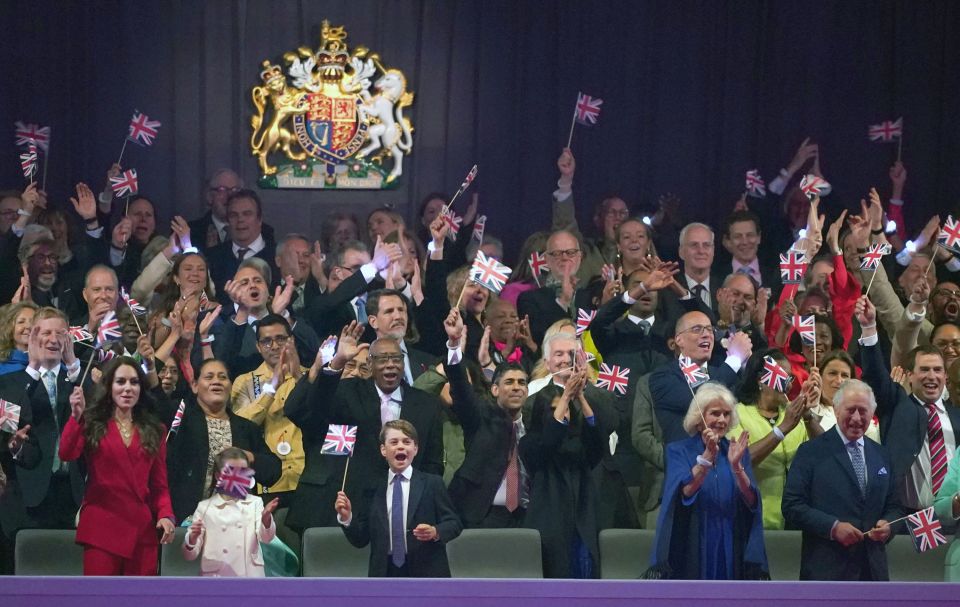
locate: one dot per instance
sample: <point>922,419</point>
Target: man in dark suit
<point>740,308</point>
<point>490,489</point>
<point>245,217</point>
<point>295,260</point>
<point>45,495</point>
<point>694,338</point>
<point>840,493</point>
<point>741,240</point>
<point>212,228</point>
<point>321,398</point>
<point>48,285</point>
<point>548,304</point>
<point>389,316</point>
<point>412,499</point>
<point>918,429</point>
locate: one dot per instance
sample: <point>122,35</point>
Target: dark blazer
<point>613,333</point>
<point>189,449</point>
<point>200,225</point>
<point>821,489</point>
<point>486,435</point>
<point>903,420</point>
<point>427,503</point>
<point>236,345</point>
<point>671,396</point>
<point>420,361</point>
<point>328,313</point>
<point>223,265</point>
<point>542,308</point>
<point>353,401</point>
<point>674,307</point>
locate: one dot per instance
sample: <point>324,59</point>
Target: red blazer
<point>126,490</point>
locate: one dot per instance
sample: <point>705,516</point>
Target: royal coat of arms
<point>338,124</point>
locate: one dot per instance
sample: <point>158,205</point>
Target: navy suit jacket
<point>671,396</point>
<point>223,265</point>
<point>427,503</point>
<point>822,489</point>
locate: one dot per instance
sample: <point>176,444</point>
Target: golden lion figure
<point>274,136</point>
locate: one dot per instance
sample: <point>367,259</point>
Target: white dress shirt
<point>252,249</point>
<point>705,296</point>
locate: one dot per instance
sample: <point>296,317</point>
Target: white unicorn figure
<point>384,111</point>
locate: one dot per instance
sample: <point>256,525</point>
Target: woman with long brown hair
<point>126,502</point>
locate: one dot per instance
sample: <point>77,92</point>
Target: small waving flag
<point>28,161</point>
<point>142,130</point>
<point>926,530</point>
<point>340,440</point>
<point>204,300</point>
<point>453,221</point>
<point>588,109</point>
<point>109,329</point>
<point>615,378</point>
<point>807,328</point>
<point>871,259</point>
<point>125,184</point>
<point>813,186</point>
<point>692,372</point>
<point>489,273</point>
<point>469,178</point>
<point>793,266</point>
<point>105,356</point>
<point>478,227</point>
<point>755,184</point>
<point>79,334</point>
<point>9,416</point>
<point>32,133</point>
<point>538,262</point>
<point>135,306</point>
<point>178,417</point>
<point>584,318</point>
<point>949,237</point>
<point>886,131</point>
<point>236,482</point>
<point>774,376</point>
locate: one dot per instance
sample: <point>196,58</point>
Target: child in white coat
<point>228,527</point>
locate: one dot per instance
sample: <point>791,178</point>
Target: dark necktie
<point>397,524</point>
<point>938,450</point>
<point>698,291</point>
<point>859,466</point>
<point>242,253</point>
<point>644,327</point>
<point>513,472</point>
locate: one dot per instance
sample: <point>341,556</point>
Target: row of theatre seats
<point>477,553</point>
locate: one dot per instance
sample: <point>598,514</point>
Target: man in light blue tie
<point>411,518</point>
<point>840,493</point>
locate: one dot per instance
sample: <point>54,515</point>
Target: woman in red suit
<point>126,503</point>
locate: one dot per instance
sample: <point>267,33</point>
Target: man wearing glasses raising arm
<point>693,338</point>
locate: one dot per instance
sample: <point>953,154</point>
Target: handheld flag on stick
<point>871,261</point>
<point>538,265</point>
<point>756,188</point>
<point>125,184</point>
<point>463,187</point>
<point>887,131</point>
<point>614,378</point>
<point>28,162</point>
<point>453,221</point>
<point>813,186</point>
<point>585,112</point>
<point>806,326</point>
<point>489,273</point>
<point>793,266</point>
<point>79,334</point>
<point>949,236</point>
<point>236,482</point>
<point>32,133</point>
<point>340,440</point>
<point>135,307</point>
<point>9,416</point>
<point>695,376</point>
<point>109,329</point>
<point>774,376</point>
<point>478,227</point>
<point>177,419</point>
<point>141,131</point>
<point>584,318</point>
<point>926,530</point>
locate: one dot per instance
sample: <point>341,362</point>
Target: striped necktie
<point>938,450</point>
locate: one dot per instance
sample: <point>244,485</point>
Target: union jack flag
<point>807,328</point>
<point>142,130</point>
<point>469,178</point>
<point>32,133</point>
<point>949,237</point>
<point>9,416</point>
<point>926,530</point>
<point>813,186</point>
<point>204,300</point>
<point>584,318</point>
<point>105,356</point>
<point>340,440</point>
<point>236,481</point>
<point>793,266</point>
<point>453,220</point>
<point>79,334</point>
<point>692,372</point>
<point>755,185</point>
<point>178,417</point>
<point>28,161</point>
<point>109,329</point>
<point>588,109</point>
<point>871,259</point>
<point>125,184</point>
<point>615,378</point>
<point>488,272</point>
<point>774,376</point>
<point>135,306</point>
<point>608,273</point>
<point>886,131</point>
<point>538,262</point>
<point>478,227</point>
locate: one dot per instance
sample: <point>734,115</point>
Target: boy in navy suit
<point>411,518</point>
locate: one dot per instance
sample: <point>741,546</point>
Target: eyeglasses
<point>276,340</point>
<point>698,329</point>
<point>224,190</point>
<point>560,253</point>
<point>943,345</point>
<point>42,258</point>
<point>946,293</point>
<point>620,213</point>
<point>387,358</point>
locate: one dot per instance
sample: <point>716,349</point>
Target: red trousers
<point>97,561</point>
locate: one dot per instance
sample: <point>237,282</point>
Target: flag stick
<point>135,321</point>
<point>933,257</point>
<point>573,123</point>
<point>122,149</point>
<point>87,370</point>
<point>694,395</point>
<point>899,146</point>
<point>536,276</point>
<point>815,340</point>
<point>462,289</point>
<point>345,468</point>
<point>870,284</point>
<point>44,185</point>
<point>126,205</point>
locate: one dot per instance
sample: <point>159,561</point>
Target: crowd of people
<point>239,350</point>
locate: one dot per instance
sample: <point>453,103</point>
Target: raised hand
<point>30,198</point>
<point>929,233</point>
<point>524,335</point>
<point>235,291</point>
<point>568,288</point>
<point>483,353</point>
<point>739,345</point>
<point>121,233</point>
<point>805,152</point>
<point>193,534</point>
<point>85,203</point>
<point>453,325</point>
<point>737,449</point>
<point>384,254</point>
<point>471,212</point>
<point>759,314</point>
<point>267,517</point>
<point>833,233</point>
<point>788,309</point>
<point>146,352</point>
<point>898,177</point>
<point>567,164</point>
<point>209,319</point>
<point>342,506</point>
<point>711,443</point>
<point>316,264</point>
<point>282,296</point>
<point>77,403</point>
<point>865,312</point>
<point>180,230</point>
<point>348,346</point>
<point>67,355</point>
<point>34,349</point>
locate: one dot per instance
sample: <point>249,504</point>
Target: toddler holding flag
<point>231,518</point>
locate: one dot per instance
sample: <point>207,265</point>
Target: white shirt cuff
<point>869,340</point>
<point>369,271</point>
<point>116,256</point>
<point>95,233</point>
<point>73,371</point>
<point>904,257</point>
<point>561,195</point>
<point>17,230</point>
<point>915,318</point>
<point>778,185</point>
<point>345,523</point>
<point>896,202</point>
<point>454,355</point>
<point>734,363</point>
<point>954,264</point>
